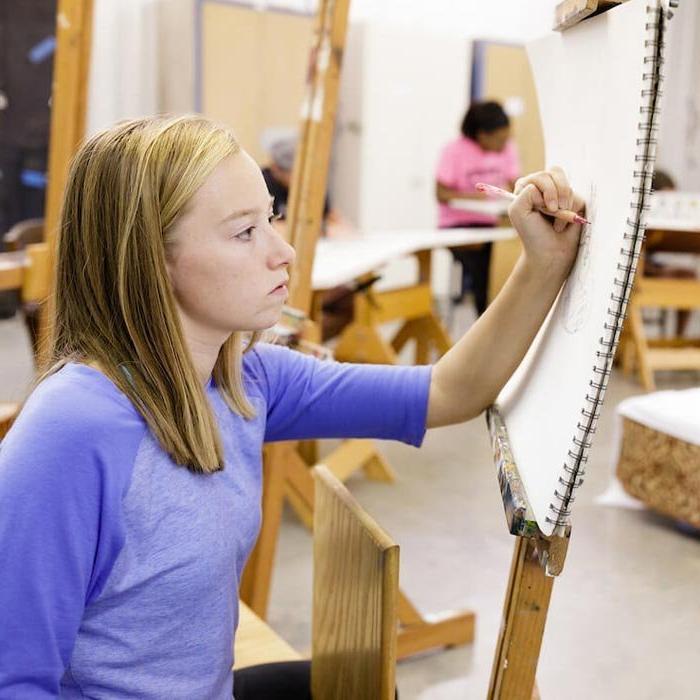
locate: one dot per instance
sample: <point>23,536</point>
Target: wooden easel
<point>286,473</point>
<point>537,558</point>
<point>34,274</point>
<point>68,114</point>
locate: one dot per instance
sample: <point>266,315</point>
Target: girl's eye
<point>245,235</point>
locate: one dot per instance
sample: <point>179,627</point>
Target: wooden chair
<point>355,603</point>
<point>355,598</point>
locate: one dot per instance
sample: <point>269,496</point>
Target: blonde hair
<point>114,304</point>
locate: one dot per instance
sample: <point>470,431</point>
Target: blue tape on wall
<point>478,69</point>
<point>33,178</point>
<point>41,51</point>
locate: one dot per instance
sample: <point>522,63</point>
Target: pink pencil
<point>571,216</point>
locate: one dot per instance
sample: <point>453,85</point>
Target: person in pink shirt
<point>483,153</point>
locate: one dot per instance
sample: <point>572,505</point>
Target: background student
<point>484,152</point>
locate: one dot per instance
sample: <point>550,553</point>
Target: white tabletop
<point>675,413</point>
<point>492,207</point>
<point>657,223</point>
<point>341,260</point>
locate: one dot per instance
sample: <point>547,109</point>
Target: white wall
<point>679,136</point>
<point>403,92</point>
<point>411,96</point>
<point>132,38</point>
<point>124,62</point>
<point>509,20</point>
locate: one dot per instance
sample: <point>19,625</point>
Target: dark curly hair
<point>484,116</point>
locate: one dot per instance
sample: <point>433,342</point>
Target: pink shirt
<point>462,164</point>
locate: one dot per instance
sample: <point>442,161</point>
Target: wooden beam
<point>307,191</point>
<point>68,116</point>
<point>68,100</point>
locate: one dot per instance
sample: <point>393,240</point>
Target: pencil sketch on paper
<point>576,296</point>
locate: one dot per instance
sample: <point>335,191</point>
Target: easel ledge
<point>551,549</point>
<point>571,12</point>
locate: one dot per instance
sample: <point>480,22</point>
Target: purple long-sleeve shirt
<point>119,570</point>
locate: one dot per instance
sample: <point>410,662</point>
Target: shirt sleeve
<point>447,164</point>
<point>308,398</point>
<point>60,533</point>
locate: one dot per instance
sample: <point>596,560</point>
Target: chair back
<point>355,598</point>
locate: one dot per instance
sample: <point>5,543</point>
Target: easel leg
<point>428,332</point>
<point>299,489</point>
<point>522,627</point>
<point>362,343</point>
<point>418,634</point>
<point>352,455</point>
<point>257,575</point>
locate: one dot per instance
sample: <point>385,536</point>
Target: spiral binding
<point>574,472</point>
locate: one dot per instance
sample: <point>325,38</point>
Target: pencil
<point>566,215</point>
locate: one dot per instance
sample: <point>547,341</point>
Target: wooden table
<point>340,261</point>
<point>650,355</point>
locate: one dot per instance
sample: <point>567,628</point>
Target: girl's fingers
<point>544,182</point>
<point>564,191</point>
<point>535,196</point>
<point>548,187</point>
<point>520,184</point>
<point>554,186</point>
<point>559,225</point>
<point>547,191</point>
<point>529,199</point>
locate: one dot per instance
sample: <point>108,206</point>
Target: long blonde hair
<point>113,301</point>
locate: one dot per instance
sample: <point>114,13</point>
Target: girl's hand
<point>550,244</point>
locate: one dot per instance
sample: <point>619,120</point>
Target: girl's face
<point>495,140</point>
<point>228,265</point>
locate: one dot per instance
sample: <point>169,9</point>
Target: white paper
<point>589,83</point>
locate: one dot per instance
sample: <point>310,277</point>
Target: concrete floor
<point>625,614</point>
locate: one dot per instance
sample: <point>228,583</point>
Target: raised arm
<point>468,378</point>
